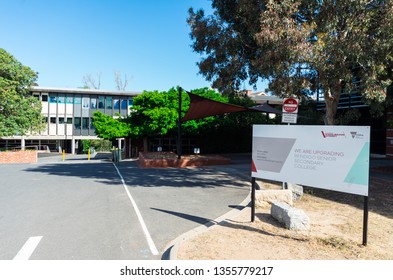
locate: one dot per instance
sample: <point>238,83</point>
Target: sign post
<point>253,187</point>
<point>365,220</point>
<point>289,110</point>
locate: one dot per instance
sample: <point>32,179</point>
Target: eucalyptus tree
<point>298,46</point>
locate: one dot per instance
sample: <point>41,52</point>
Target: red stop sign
<point>290,105</point>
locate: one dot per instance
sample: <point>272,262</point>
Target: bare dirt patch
<point>335,232</point>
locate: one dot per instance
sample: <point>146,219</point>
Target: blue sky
<point>63,40</point>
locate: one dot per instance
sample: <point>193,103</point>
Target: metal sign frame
<point>278,147</point>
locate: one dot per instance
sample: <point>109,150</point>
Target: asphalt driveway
<point>80,209</point>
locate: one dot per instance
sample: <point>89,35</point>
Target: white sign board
<point>327,157</point>
<point>288,118</point>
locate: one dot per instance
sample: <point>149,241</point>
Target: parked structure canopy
<point>201,107</point>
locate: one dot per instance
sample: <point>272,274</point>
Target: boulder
<point>264,198</point>
<point>293,218</point>
<point>297,190</point>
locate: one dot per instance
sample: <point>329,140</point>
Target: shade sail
<point>201,107</point>
<point>266,108</point>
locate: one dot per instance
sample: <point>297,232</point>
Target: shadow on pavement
<point>101,169</point>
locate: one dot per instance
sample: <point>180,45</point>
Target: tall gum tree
<point>298,46</point>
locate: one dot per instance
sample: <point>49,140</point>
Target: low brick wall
<point>18,157</point>
<point>145,160</point>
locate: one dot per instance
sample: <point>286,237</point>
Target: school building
<point>69,115</point>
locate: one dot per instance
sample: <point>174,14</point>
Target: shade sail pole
<point>179,140</point>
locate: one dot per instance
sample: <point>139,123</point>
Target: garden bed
<point>168,159</point>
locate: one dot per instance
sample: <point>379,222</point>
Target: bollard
<point>114,155</point>
<point>63,155</point>
<point>88,154</point>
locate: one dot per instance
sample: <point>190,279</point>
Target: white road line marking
<point>149,240</point>
<point>28,249</point>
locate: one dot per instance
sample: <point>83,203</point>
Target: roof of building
<point>84,91</point>
<point>266,99</point>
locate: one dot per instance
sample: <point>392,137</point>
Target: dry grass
<point>335,233</point>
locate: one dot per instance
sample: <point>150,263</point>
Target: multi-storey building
<point>69,114</point>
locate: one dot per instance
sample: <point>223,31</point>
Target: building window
<point>92,127</point>
<point>61,99</point>
<point>85,103</point>
<point>124,104</point>
<point>53,120</point>
<point>93,103</point>
<point>108,102</point>
<point>36,95</point>
<point>116,104</point>
<point>101,102</point>
<point>69,100</point>
<point>130,102</point>
<point>53,99</point>
<point>61,120</point>
<point>85,123</point>
<point>77,100</point>
<point>44,98</point>
<point>77,123</point>
<point>69,120</point>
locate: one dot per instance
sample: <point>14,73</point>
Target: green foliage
<point>232,133</point>
<point>101,145</point>
<point>156,113</point>
<point>86,145</point>
<point>298,45</point>
<point>195,127</point>
<point>110,128</point>
<point>20,113</point>
<point>244,119</point>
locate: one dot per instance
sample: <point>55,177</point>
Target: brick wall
<point>18,157</point>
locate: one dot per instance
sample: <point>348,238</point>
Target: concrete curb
<point>171,250</point>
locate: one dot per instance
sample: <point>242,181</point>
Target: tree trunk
<point>330,113</point>
<point>145,146</point>
<point>331,103</point>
